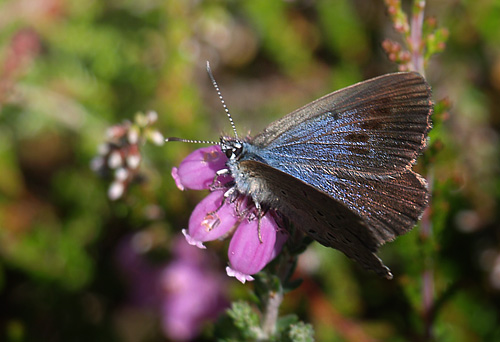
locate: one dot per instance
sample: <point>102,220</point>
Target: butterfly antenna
<point>192,141</point>
<point>216,86</point>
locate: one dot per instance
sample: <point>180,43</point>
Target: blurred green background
<point>70,69</point>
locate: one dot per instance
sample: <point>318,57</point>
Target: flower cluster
<point>256,238</point>
<point>185,292</point>
<point>397,53</point>
<point>121,154</point>
<point>24,47</point>
<point>193,292</point>
<point>422,38</point>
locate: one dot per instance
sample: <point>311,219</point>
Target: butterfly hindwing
<point>391,205</point>
<point>313,212</point>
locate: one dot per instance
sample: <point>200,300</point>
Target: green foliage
<point>242,323</point>
<point>246,320</point>
<point>300,332</point>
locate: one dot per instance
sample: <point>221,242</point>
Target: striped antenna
<point>193,141</point>
<point>221,100</point>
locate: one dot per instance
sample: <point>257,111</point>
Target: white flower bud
<point>152,116</point>
<point>121,174</point>
<point>115,160</point>
<point>133,161</point>
<point>116,190</point>
<point>156,138</point>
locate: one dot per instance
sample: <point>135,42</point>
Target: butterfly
<point>339,168</point>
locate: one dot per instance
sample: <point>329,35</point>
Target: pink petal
<point>210,221</point>
<point>247,254</point>
<point>192,241</point>
<point>177,179</point>
<point>197,170</point>
<point>281,237</point>
<point>243,278</point>
<point>192,294</point>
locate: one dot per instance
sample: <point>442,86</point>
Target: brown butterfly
<point>339,168</point>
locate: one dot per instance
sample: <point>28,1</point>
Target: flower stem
<point>286,263</point>
<point>427,273</point>
<point>270,315</point>
<point>417,59</point>
<point>415,40</point>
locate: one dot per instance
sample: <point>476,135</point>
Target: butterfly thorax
<point>245,182</point>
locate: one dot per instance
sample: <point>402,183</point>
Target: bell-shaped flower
<point>210,220</point>
<point>257,238</point>
<point>252,247</point>
<point>197,170</point>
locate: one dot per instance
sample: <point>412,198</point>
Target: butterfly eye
<point>234,152</point>
<point>237,151</point>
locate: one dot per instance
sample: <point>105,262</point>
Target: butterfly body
<point>340,167</point>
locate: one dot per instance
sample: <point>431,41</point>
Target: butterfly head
<point>231,147</point>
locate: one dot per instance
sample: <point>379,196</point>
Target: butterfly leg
<point>218,208</point>
<point>232,194</point>
<point>252,210</point>
<point>260,214</point>
<point>215,184</point>
<point>229,193</point>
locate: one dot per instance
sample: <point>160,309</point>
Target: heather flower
<point>197,170</point>
<point>185,292</point>
<point>247,254</point>
<point>207,223</point>
<point>121,153</point>
<point>20,52</point>
<point>192,293</point>
<point>255,240</point>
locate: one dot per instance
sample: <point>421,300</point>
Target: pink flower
<point>255,241</point>
<point>248,252</point>
<point>207,223</point>
<point>192,294</point>
<point>197,170</point>
<point>185,292</point>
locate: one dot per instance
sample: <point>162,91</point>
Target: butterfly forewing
<point>376,127</point>
<point>357,146</point>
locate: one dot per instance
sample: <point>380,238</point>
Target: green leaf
<point>245,319</point>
